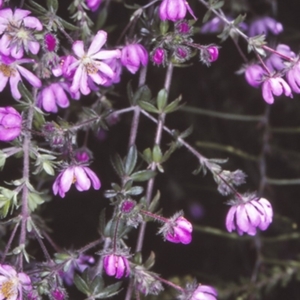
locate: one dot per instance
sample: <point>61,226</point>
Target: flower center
<point>6,70</point>
<point>8,289</point>
<point>22,34</point>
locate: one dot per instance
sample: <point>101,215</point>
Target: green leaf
<point>206,16</point>
<point>150,261</point>
<point>148,107</point>
<point>110,194</point>
<point>135,190</point>
<point>118,165</point>
<point>154,203</point>
<point>48,168</point>
<point>34,200</point>
<point>52,4</point>
<point>143,175</point>
<point>162,99</point>
<point>129,92</point>
<point>102,17</point>
<point>173,105</point>
<point>3,157</point>
<point>26,95</point>
<point>143,93</point>
<point>67,25</point>
<point>157,154</point>
<point>164,27</point>
<point>81,285</point>
<point>38,7</point>
<point>131,160</point>
<point>147,155</point>
<point>109,291</point>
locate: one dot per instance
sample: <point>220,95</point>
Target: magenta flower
<point>54,95</point>
<point>276,86</point>
<point>93,4</point>
<point>90,64</point>
<point>177,230</point>
<point>50,42</point>
<point>58,294</point>
<point>116,66</point>
<point>10,124</point>
<point>214,53</point>
<point>12,283</point>
<point>204,292</point>
<point>248,214</point>
<point>264,25</point>
<point>158,56</point>
<point>254,75</point>
<point>174,10</point>
<point>116,265</point>
<point>276,62</point>
<point>293,77</point>
<point>10,69</point>
<point>18,35</point>
<point>133,56</point>
<point>81,176</point>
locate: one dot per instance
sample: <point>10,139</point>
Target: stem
<point>25,191</point>
<point>42,245</point>
<point>278,53</point>
<point>7,247</point>
<point>169,283</point>
<point>154,216</point>
<point>89,246</point>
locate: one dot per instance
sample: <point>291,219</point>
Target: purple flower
<point>174,10</point>
<point>116,265</point>
<point>93,4</point>
<point>254,75</point>
<point>204,292</point>
<point>158,56</point>
<point>276,62</point>
<point>214,53</point>
<point>248,214</point>
<point>52,96</point>
<point>79,264</point>
<point>178,230</point>
<point>81,176</point>
<point>18,32</point>
<point>133,56</point>
<point>293,77</point>
<point>12,283</point>
<point>11,69</point>
<point>264,25</point>
<point>90,64</point>
<point>276,86</point>
<point>58,294</point>
<point>116,66</point>
<point>10,124</point>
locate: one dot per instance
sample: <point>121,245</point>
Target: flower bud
<point>254,74</point>
<point>158,56</point>
<point>116,265</point>
<point>93,4</point>
<point>183,27</point>
<point>50,42</point>
<point>10,124</point>
<point>214,53</point>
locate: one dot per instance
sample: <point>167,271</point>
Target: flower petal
<point>98,41</point>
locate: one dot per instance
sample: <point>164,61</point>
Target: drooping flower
<point>264,25</point>
<point>275,86</point>
<point>10,69</point>
<point>204,292</point>
<point>18,30</point>
<point>248,214</point>
<point>12,284</point>
<point>81,176</point>
<point>116,265</point>
<point>177,230</point>
<point>174,10</point>
<point>93,4</point>
<point>10,124</point>
<point>293,77</point>
<point>276,62</point>
<point>133,56</point>
<point>254,74</point>
<point>158,56</point>
<point>90,64</point>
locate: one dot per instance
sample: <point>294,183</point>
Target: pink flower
<point>18,32</point>
<point>11,69</point>
<point>204,292</point>
<point>276,86</point>
<point>93,4</point>
<point>254,75</point>
<point>90,64</point>
<point>264,25</point>
<point>293,77</point>
<point>133,56</point>
<point>158,56</point>
<point>174,10</point>
<point>12,283</point>
<point>54,95</point>
<point>116,265</point>
<point>214,53</point>
<point>10,124</point>
<point>177,230</point>
<point>116,66</point>
<point>81,176</point>
<point>249,214</point>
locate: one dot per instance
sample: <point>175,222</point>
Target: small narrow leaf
<point>131,160</point>
<point>162,99</point>
<point>143,175</point>
<point>148,107</point>
<point>118,165</point>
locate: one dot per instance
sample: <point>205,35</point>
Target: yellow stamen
<point>6,70</point>
<point>8,289</point>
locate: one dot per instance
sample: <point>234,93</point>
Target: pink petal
<point>107,54</point>
<point>76,79</point>
<point>84,88</point>
<point>98,41</point>
<point>3,81</point>
<point>16,52</point>
<point>106,70</point>
<point>31,78</point>
<point>33,22</point>
<point>95,180</point>
<point>6,14</point>
<point>4,45</point>
<point>20,14</point>
<point>60,96</point>
<point>66,180</point>
<point>242,220</point>
<point>267,93</point>
<point>230,219</point>
<point>13,81</point>
<point>82,182</point>
<point>78,48</point>
<point>48,100</point>
<point>34,47</point>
